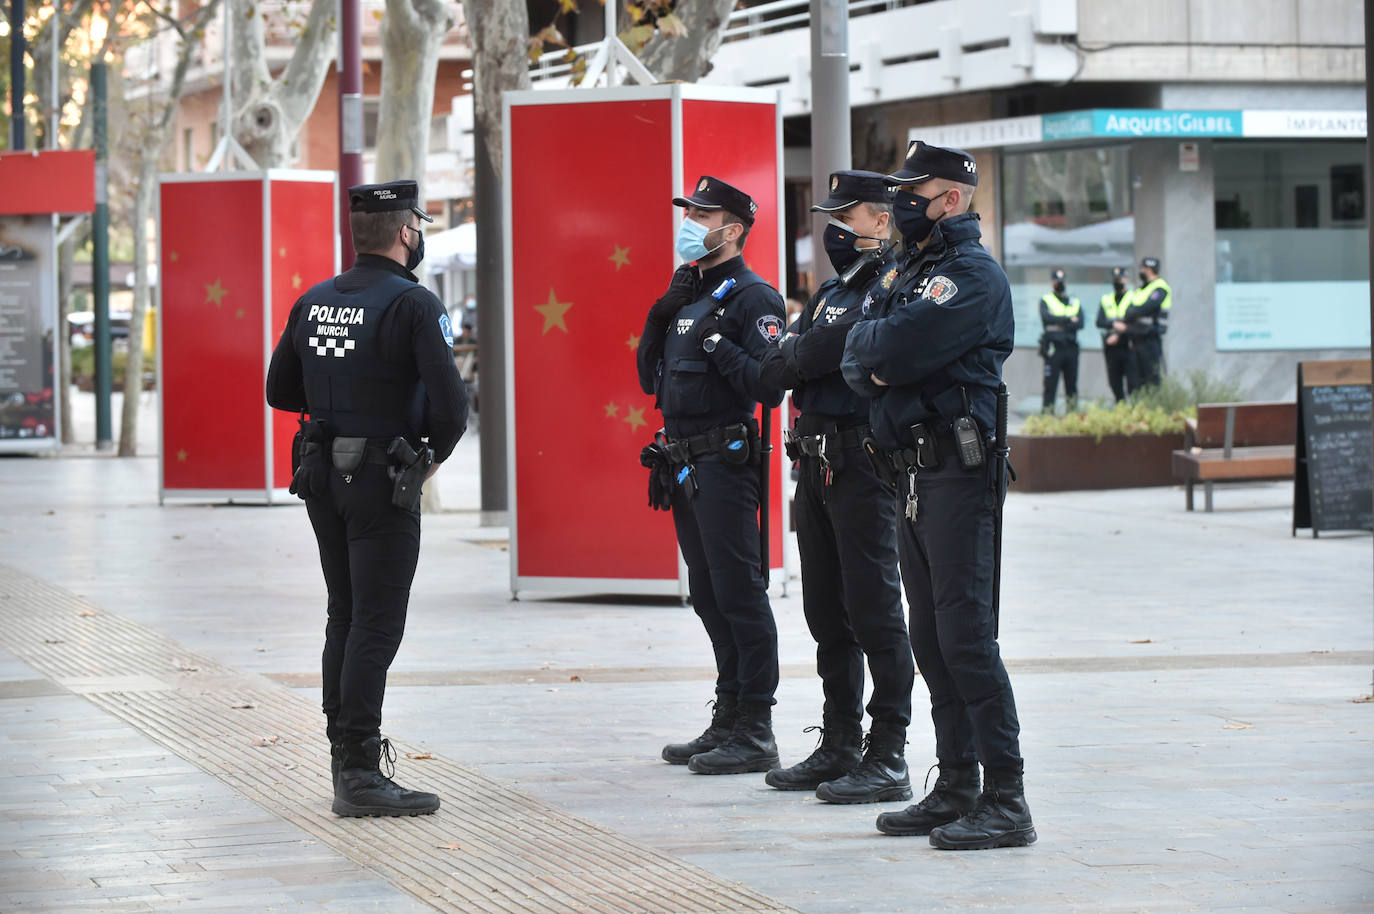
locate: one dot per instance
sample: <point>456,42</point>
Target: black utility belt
<point>735,443</point>
<point>798,445</point>
<point>929,450</point>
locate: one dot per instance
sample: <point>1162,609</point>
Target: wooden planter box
<point>1064,463</point>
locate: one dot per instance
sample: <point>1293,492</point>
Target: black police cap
<point>924,162</point>
<point>386,198</point>
<point>1151,263</point>
<point>848,188</point>
<point>1056,275</point>
<point>713,193</point>
<point>1120,273</point>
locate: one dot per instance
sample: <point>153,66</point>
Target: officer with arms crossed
<point>699,356</point>
<point>846,518</point>
<point>1146,321</point>
<point>931,358</point>
<point>1061,317</point>
<point>1115,350</point>
<point>369,355</point>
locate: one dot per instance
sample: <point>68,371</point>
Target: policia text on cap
<point>369,355</point>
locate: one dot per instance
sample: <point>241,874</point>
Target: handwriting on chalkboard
<point>1336,429</point>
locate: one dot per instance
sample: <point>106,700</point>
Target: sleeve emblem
<point>770,327</point>
<point>940,289</point>
<point>817,313</point>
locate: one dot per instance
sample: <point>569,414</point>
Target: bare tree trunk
<point>269,112</point>
<point>499,34</point>
<point>66,257</point>
<point>133,370</point>
<point>687,57</point>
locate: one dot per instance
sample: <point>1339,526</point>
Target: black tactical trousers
<point>1063,360</point>
<point>1149,354</point>
<point>718,532</point>
<point>947,567</point>
<point>1120,370</point>
<point>851,592</point>
<point>368,551</point>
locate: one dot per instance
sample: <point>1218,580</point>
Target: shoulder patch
<point>940,289</point>
<point>770,327</point>
<point>819,306</point>
<point>890,277</point>
<point>446,328</point>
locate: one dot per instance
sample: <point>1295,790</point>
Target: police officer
<point>1147,320</point>
<point>1061,317</point>
<point>1115,349</point>
<point>846,518</point>
<point>931,358</point>
<point>699,356</point>
<point>369,355</point>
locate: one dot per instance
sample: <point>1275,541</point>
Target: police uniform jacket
<point>1148,312</point>
<point>370,352</point>
<point>942,323</point>
<point>1060,329</point>
<point>1112,308</point>
<point>697,390</point>
<point>808,359</point>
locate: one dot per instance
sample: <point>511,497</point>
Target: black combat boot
<point>955,793</point>
<point>336,760</point>
<point>722,720</point>
<point>880,777</point>
<point>837,755</point>
<point>362,790</point>
<point>749,747</point>
<point>1000,819</point>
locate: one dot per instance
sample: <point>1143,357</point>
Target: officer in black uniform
<point>846,518</point>
<point>1115,349</point>
<point>1061,317</point>
<point>699,356</point>
<point>931,359</point>
<point>369,355</point>
<point>1147,320</point>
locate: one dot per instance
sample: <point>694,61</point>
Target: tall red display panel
<point>590,230</point>
<point>236,250</point>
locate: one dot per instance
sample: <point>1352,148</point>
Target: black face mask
<point>415,254</point>
<point>1144,280</point>
<point>1059,287</point>
<point>840,244</point>
<point>909,212</point>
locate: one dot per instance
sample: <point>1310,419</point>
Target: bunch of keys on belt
<point>827,473</point>
<point>911,493</point>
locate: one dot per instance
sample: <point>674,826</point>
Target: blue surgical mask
<point>691,240</point>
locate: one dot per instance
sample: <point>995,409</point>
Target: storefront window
<point>1066,209</point>
<point>1292,245</point>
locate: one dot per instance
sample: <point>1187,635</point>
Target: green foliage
<point>1160,410</point>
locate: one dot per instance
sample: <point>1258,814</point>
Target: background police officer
<point>1061,317</point>
<point>932,360</point>
<point>846,518</point>
<point>699,356</point>
<point>369,355</point>
<point>1115,349</point>
<point>1147,320</point>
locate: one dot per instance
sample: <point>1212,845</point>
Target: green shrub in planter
<point>1159,410</point>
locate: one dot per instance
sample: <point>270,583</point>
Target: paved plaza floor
<point>1189,688</point>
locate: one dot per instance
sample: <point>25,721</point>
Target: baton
<point>999,480</point>
<point>766,457</point>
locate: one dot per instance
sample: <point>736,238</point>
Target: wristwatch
<point>709,344</point>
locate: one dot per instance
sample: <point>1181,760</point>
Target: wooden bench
<point>1228,442</point>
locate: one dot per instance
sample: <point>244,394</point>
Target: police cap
<point>1056,275</point>
<point>713,193</point>
<point>1151,263</point>
<point>924,162</point>
<point>848,188</point>
<point>1120,274</point>
<point>386,198</point>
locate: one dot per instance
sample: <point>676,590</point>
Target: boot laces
<point>388,758</point>
<point>933,797</point>
<point>985,807</point>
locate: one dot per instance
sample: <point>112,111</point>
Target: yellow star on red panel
<point>238,313</point>
<point>553,311</point>
<point>172,256</point>
<point>281,252</point>
<point>296,281</point>
<point>633,341</point>
<point>182,455</point>
<point>635,418</point>
<point>611,410</point>
<point>621,257</point>
<point>214,294</point>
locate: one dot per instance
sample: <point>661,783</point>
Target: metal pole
<point>17,48</point>
<point>830,145</point>
<point>1369,164</point>
<point>100,262</point>
<point>612,76</point>
<point>56,90</point>
<point>350,117</point>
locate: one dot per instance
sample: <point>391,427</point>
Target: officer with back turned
<point>699,356</point>
<point>369,355</point>
<point>931,360</point>
<point>846,518</point>
<point>1116,351</point>
<point>1061,317</point>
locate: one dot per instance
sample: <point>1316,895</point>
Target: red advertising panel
<point>52,181</point>
<point>236,250</point>
<point>590,179</point>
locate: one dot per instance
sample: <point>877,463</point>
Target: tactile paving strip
<point>490,848</point>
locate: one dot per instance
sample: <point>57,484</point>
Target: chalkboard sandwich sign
<point>1333,486</point>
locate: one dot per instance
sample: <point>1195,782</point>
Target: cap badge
<point>911,150</point>
<point>834,183</point>
<point>702,186</point>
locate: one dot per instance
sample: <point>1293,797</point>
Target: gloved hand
<point>709,324</point>
<point>682,291</point>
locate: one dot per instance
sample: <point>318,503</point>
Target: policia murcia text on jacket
<point>699,356</point>
<point>930,358</point>
<point>1061,317</point>
<point>846,518</point>
<point>368,355</point>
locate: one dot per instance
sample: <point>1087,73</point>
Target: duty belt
<point>683,451</point>
<point>815,445</point>
<point>894,463</point>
